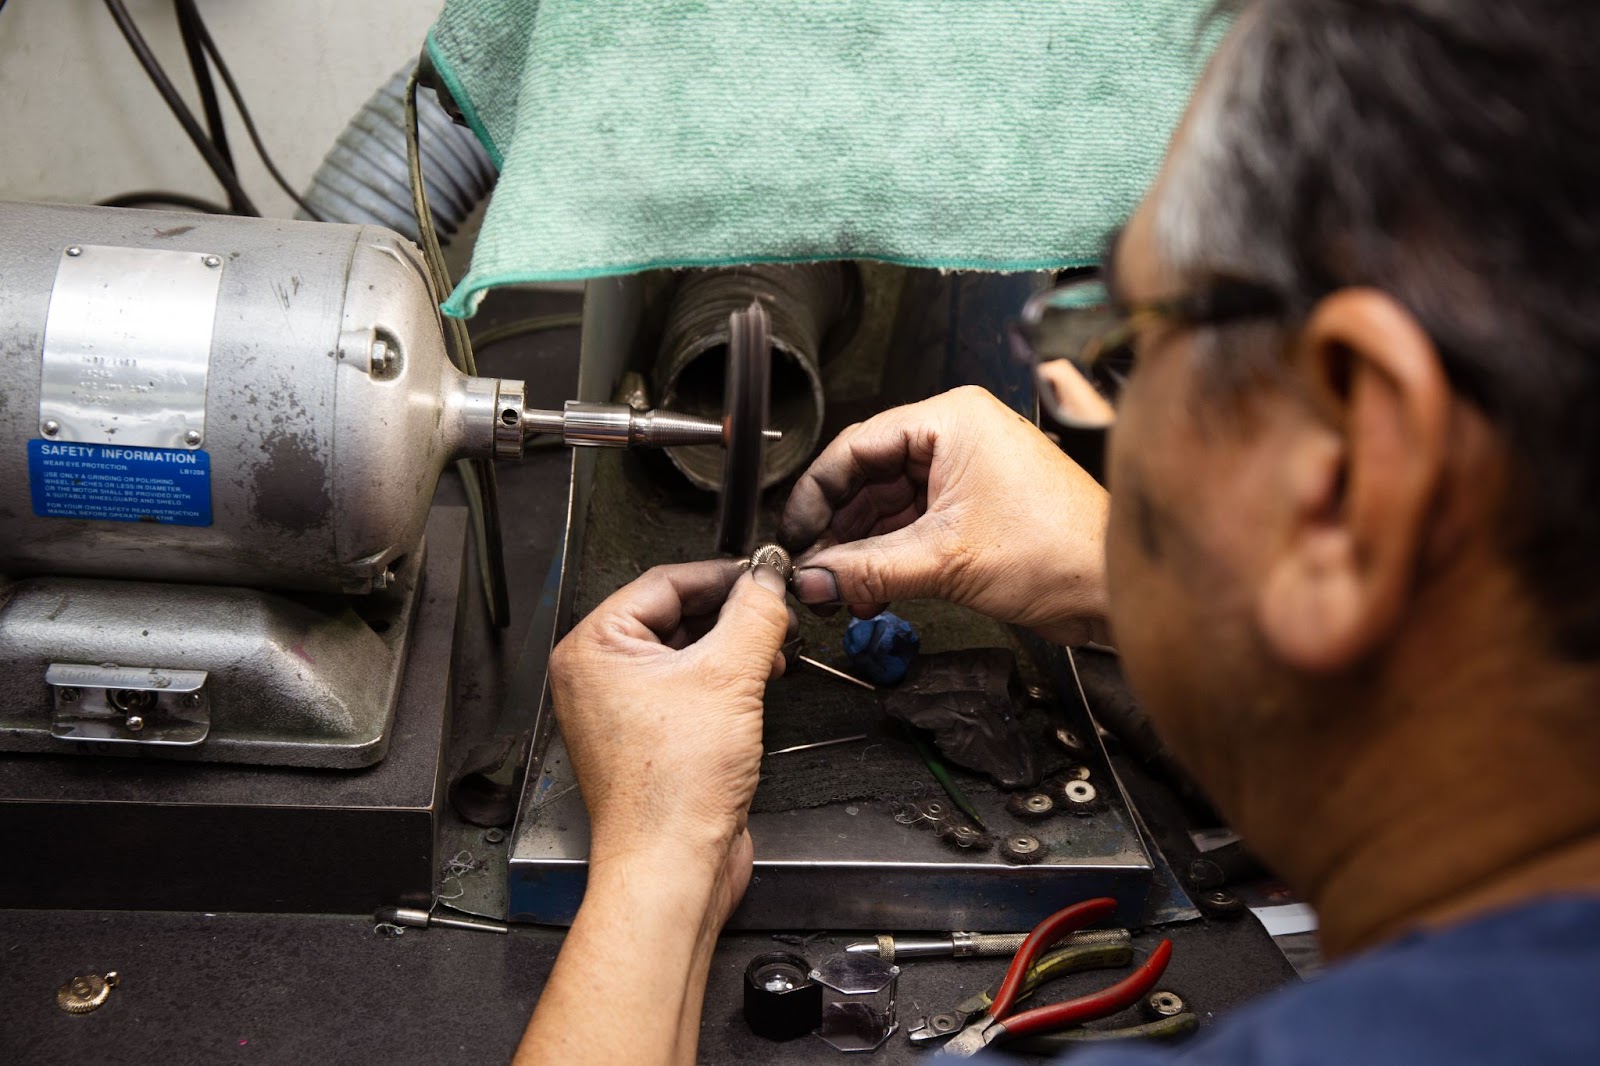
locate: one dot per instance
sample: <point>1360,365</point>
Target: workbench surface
<point>312,990</point>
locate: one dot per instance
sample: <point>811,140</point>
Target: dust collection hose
<point>364,177</point>
<point>803,303</point>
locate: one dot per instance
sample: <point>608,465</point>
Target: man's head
<point>1324,520</point>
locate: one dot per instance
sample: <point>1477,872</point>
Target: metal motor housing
<point>327,413</point>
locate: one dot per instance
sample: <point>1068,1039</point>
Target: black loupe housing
<point>780,999</point>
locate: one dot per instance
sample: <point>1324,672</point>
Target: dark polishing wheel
<point>749,388</point>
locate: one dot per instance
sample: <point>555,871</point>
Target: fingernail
<point>813,584</point>
<point>768,578</point>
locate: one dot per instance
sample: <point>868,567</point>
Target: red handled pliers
<point>998,1023</point>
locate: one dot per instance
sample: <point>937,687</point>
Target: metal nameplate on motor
<point>127,347</point>
<point>122,387</point>
<point>129,705</point>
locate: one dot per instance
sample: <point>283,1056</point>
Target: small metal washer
<point>964,835</point>
<point>1031,805</point>
<point>1080,792</point>
<point>1163,1004</point>
<point>1022,849</point>
<point>1221,905</point>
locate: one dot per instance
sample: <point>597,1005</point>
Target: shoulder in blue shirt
<point>1518,987</point>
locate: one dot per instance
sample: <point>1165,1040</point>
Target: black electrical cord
<point>162,198</point>
<point>187,9</point>
<point>158,77</point>
<point>432,252</point>
<point>215,127</point>
<point>189,33</point>
<point>525,326</point>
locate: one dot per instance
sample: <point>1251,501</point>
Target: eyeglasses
<point>1081,343</point>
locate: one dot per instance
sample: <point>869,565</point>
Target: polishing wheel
<point>749,392</point>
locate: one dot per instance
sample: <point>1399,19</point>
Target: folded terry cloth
<point>961,134</point>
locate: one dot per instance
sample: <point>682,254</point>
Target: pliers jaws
<point>998,1023</point>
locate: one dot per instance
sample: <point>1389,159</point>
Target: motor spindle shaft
<point>617,425</point>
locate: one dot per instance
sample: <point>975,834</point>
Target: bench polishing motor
<point>219,443</point>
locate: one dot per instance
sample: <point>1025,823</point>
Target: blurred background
<point>82,122</point>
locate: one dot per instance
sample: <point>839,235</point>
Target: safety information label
<point>115,483</point>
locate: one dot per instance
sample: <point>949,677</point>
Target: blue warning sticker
<point>114,483</point>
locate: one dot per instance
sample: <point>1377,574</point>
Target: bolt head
<point>192,438</point>
<point>135,722</point>
<point>69,695</point>
<point>212,261</point>
<point>74,251</point>
<point>193,699</point>
<point>51,427</point>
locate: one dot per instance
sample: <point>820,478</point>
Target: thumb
<point>894,566</point>
<point>754,621</point>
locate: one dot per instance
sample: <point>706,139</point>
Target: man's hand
<point>659,695</point>
<point>956,498</point>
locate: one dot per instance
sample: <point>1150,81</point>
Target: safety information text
<point>113,483</point>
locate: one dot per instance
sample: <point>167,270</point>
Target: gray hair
<point>1447,152</point>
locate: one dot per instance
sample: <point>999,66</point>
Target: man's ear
<point>1361,481</point>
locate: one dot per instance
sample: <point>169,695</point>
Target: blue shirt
<point>1518,987</point>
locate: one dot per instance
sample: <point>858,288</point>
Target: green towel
<point>960,134</point>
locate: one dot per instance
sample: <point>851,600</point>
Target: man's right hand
<point>957,498</point>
